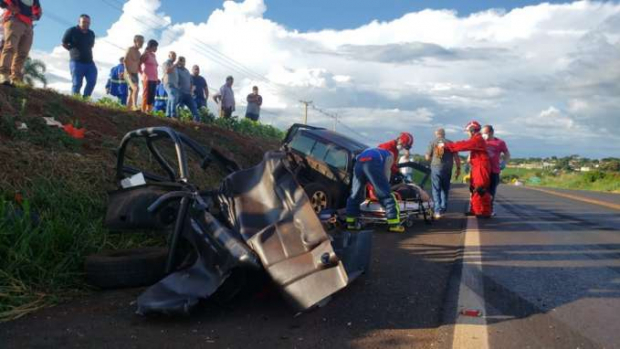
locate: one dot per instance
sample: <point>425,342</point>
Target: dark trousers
<point>227,113</point>
<point>495,180</point>
<point>200,102</point>
<point>186,99</point>
<point>251,116</point>
<point>440,179</point>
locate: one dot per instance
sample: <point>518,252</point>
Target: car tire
<point>126,268</point>
<point>320,197</point>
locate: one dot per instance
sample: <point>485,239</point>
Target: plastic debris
<point>471,312</point>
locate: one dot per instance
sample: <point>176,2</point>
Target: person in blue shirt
<point>373,166</point>
<point>117,86</point>
<point>161,98</point>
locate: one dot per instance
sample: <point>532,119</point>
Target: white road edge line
<point>471,331</point>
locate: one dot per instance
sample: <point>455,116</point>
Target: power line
<point>222,59</point>
<point>66,23</point>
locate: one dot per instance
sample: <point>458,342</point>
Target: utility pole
<point>305,103</point>
<point>335,121</point>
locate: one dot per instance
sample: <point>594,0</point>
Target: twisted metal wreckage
<point>258,221</point>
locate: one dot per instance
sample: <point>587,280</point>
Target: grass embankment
<point>594,180</point>
<point>53,187</point>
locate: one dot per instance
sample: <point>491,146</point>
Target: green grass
<point>594,180</point>
<point>240,125</point>
<point>44,240</point>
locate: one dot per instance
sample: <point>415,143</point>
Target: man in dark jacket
<point>18,36</point>
<point>80,41</point>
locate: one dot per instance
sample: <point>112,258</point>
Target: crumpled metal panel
<point>273,214</point>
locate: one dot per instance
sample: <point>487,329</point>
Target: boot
<point>353,224</point>
<point>396,228</point>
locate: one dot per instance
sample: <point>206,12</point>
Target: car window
<point>319,151</point>
<point>302,143</point>
<point>337,157</point>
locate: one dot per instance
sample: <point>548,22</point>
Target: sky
<point>546,75</point>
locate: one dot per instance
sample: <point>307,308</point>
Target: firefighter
<point>161,98</point>
<point>373,169</point>
<point>117,86</point>
<point>480,181</point>
<point>403,142</point>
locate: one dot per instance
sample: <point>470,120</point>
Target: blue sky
<point>302,15</point>
<point>544,74</point>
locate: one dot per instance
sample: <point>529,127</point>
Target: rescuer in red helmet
<point>480,181</point>
<point>404,141</point>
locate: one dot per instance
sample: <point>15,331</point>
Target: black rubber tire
<point>318,192</point>
<point>126,268</point>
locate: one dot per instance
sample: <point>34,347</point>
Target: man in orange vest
<point>18,36</point>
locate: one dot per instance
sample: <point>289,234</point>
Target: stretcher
<point>410,211</point>
<point>413,203</point>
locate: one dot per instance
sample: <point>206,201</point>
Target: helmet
<point>473,126</point>
<point>406,140</point>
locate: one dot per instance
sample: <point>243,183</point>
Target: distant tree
<point>34,70</point>
<point>613,165</point>
<point>563,164</point>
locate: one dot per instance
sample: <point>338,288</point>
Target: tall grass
<point>43,241</point>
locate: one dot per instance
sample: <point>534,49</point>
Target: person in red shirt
<point>404,141</point>
<point>499,156</point>
<point>18,36</point>
<point>480,184</point>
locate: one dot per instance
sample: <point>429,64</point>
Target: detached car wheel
<point>320,197</point>
<point>126,268</point>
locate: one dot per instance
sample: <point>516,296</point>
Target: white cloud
<point>415,73</point>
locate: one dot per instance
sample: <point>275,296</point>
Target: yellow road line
<point>578,198</point>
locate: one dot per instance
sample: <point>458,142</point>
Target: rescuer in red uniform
<point>480,182</point>
<point>404,141</point>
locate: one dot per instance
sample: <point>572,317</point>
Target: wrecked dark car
<point>258,222</point>
<point>324,163</point>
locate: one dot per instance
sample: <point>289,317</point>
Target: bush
<point>591,177</point>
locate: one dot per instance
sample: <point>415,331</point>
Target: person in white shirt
<point>407,172</point>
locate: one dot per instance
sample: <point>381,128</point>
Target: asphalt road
<point>399,304</point>
<point>550,271</point>
<point>544,273</point>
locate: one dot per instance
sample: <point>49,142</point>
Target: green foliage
<point>250,128</point>
<point>110,103</point>
<point>44,240</point>
<point>34,70</point>
<point>591,177</point>
<point>243,126</point>
<point>593,180</point>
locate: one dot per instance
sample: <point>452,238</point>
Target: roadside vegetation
<point>596,180</point>
<point>53,187</point>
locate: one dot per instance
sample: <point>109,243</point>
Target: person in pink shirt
<point>148,60</point>
<point>499,156</point>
